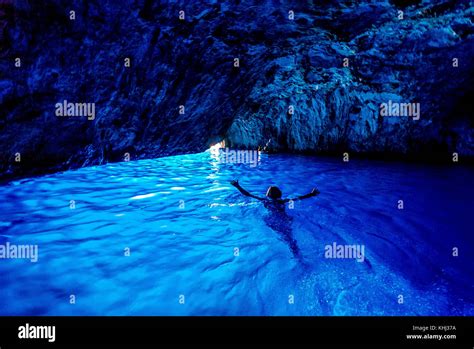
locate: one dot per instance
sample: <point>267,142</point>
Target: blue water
<point>190,250</point>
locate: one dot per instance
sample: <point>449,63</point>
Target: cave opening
<point>215,148</point>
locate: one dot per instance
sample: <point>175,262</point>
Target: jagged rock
<point>190,63</point>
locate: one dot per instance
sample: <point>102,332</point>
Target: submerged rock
<point>309,77</point>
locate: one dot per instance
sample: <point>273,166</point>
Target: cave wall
<point>283,62</point>
<point>336,106</point>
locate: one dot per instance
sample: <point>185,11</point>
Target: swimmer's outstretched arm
<point>243,191</point>
<point>314,192</point>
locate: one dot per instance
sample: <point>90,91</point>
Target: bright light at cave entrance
<point>215,147</point>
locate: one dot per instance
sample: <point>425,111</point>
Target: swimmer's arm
<point>243,191</point>
<point>314,192</point>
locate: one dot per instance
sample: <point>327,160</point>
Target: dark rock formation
<point>283,62</point>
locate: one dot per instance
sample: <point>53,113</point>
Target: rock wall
<point>310,76</point>
<point>325,91</point>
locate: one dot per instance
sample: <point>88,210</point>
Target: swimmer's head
<point>273,192</point>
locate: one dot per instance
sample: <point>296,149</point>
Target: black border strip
<point>348,330</point>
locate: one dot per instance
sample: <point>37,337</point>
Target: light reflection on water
<point>182,222</point>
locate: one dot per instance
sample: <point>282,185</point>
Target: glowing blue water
<point>190,250</point>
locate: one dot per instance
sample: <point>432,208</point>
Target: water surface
<point>191,234</point>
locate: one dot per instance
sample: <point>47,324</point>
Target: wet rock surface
<point>312,83</point>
